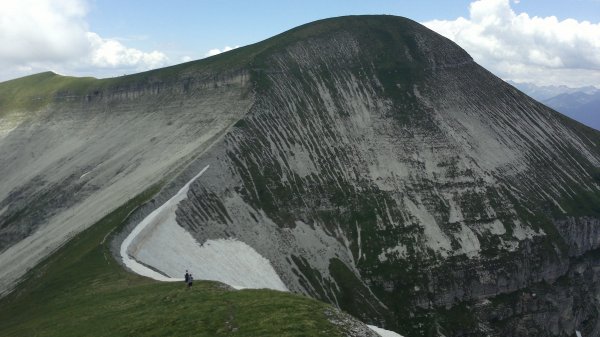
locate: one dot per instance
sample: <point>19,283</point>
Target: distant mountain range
<point>581,104</point>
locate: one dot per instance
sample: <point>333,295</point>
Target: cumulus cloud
<point>33,31</point>
<point>39,35</point>
<point>216,51</point>
<point>111,53</point>
<point>519,47</point>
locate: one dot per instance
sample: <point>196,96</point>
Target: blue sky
<point>194,27</point>
<point>108,38</point>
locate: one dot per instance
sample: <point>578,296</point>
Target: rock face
<point>382,170</point>
<point>377,167</point>
<point>68,163</point>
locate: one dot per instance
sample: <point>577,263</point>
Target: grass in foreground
<point>81,291</point>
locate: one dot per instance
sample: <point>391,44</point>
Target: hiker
<point>187,276</point>
<point>190,280</point>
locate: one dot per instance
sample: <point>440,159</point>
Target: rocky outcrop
<point>581,234</point>
<point>560,308</point>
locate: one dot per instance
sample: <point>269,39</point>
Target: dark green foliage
<point>353,295</point>
<point>456,320</point>
<point>582,202</point>
<point>314,279</point>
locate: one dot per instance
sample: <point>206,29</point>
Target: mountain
<point>543,93</point>
<point>370,160</point>
<point>75,149</point>
<point>581,104</point>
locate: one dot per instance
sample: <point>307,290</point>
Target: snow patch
<point>160,243</point>
<point>173,250</point>
<point>154,219</point>
<point>85,174</point>
<point>383,332</point>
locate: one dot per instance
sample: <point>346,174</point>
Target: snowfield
<point>161,249</point>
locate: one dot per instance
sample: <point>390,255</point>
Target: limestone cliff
<point>382,170</point>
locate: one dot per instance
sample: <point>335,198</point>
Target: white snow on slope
<point>159,242</point>
<point>146,226</point>
<point>383,332</point>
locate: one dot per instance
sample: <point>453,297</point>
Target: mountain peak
<point>384,40</point>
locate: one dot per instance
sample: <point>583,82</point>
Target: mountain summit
<point>370,160</point>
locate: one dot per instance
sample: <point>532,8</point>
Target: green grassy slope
<point>81,291</point>
<point>36,91</point>
<point>33,92</point>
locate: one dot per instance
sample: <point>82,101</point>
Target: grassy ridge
<point>81,291</point>
<point>36,91</point>
<point>33,92</point>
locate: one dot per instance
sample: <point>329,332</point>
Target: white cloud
<point>216,51</point>
<point>112,54</point>
<point>519,47</point>
<point>40,35</point>
<point>33,31</point>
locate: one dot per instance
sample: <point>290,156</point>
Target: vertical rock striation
<point>382,170</point>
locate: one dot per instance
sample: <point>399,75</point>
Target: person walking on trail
<point>190,280</point>
<point>187,276</point>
